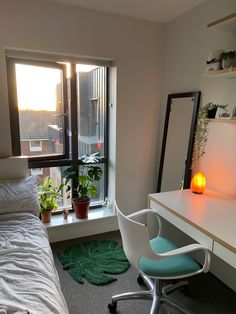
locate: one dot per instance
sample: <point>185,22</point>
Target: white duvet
<point>28,277</point>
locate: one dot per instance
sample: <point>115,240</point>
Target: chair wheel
<point>112,306</point>
<point>140,280</point>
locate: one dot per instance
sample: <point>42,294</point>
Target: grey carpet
<point>205,295</point>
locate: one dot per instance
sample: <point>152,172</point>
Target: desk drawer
<point>182,225</point>
<point>225,254</point>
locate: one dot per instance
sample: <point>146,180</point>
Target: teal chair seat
<point>169,266</point>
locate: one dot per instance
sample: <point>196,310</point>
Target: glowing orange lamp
<point>198,183</point>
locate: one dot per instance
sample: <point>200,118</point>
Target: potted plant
<point>228,59</point>
<point>205,113</point>
<point>48,198</point>
<point>210,109</point>
<point>85,187</point>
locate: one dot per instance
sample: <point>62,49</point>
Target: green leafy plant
<point>88,174</point>
<point>202,129</point>
<point>228,55</point>
<point>210,106</point>
<point>93,260</point>
<point>49,194</point>
<point>228,59</point>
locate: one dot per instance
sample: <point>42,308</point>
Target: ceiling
<point>153,10</point>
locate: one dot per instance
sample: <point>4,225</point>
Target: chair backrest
<point>135,239</point>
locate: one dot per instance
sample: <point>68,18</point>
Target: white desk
<point>208,218</point>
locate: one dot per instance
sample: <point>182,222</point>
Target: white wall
<point>187,45</point>
<point>135,45</point>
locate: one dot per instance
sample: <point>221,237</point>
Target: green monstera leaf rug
<point>93,260</point>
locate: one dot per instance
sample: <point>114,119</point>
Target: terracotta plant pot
<point>81,208</point>
<point>46,216</point>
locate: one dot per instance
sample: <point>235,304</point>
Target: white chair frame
<point>136,243</point>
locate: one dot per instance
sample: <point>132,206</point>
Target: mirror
<point>177,143</point>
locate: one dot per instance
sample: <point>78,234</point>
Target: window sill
<point>94,214</point>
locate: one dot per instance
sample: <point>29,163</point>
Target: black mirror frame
<point>187,174</point>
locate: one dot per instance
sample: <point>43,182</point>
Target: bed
<point>29,281</point>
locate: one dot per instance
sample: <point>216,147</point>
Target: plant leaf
<point>93,260</point>
<point>94,173</point>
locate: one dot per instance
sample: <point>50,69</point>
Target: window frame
<point>70,113</point>
<point>14,112</point>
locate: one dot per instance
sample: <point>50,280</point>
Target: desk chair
<point>155,260</point>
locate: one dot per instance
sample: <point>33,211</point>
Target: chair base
<point>155,293</point>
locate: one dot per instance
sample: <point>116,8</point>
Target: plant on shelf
<point>48,198</point>
<point>228,59</point>
<point>211,108</point>
<point>201,131</point>
<point>89,173</point>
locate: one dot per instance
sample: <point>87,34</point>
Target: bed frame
<point>13,167</point>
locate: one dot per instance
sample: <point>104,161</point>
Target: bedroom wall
<point>136,47</point>
<point>186,53</point>
<point>187,45</point>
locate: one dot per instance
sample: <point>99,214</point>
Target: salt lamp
<point>198,183</point>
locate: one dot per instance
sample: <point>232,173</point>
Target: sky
<point>36,85</point>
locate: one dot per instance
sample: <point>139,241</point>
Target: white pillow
<point>19,195</point>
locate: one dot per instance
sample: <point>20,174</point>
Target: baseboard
<point>82,229</point>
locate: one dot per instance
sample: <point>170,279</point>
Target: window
<point>58,113</point>
<point>35,146</point>
<point>36,172</point>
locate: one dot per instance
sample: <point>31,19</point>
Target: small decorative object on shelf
<point>65,213</point>
<point>228,112</point>
<point>213,61</point>
<point>228,59</point>
<point>221,63</point>
<point>212,109</point>
<point>198,183</point>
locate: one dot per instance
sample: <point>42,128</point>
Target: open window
<point>58,113</point>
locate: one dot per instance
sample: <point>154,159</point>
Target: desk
<point>208,218</point>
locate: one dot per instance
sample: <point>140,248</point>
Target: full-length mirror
<point>177,144</point>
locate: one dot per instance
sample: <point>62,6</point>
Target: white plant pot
<point>213,66</point>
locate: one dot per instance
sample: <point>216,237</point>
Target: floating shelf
<point>226,23</point>
<point>229,73</point>
<point>222,120</point>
